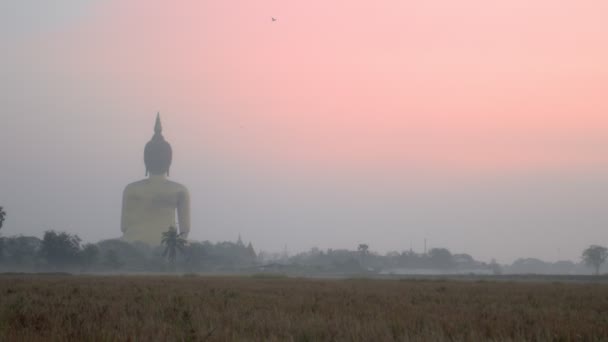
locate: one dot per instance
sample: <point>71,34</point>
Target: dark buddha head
<point>158,153</point>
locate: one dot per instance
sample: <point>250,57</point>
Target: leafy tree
<point>173,242</point>
<point>112,259</point>
<point>595,256</point>
<point>495,267</point>
<point>60,249</point>
<point>196,253</point>
<point>2,216</point>
<point>363,249</point>
<point>89,255</point>
<point>21,250</point>
<point>441,258</point>
<point>528,266</point>
<point>134,256</point>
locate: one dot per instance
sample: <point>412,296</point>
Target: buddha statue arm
<point>183,212</point>
<point>123,219</point>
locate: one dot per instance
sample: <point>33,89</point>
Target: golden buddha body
<point>149,206</point>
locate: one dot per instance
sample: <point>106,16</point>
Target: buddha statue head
<point>158,153</point>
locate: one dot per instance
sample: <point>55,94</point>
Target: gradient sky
<point>479,125</point>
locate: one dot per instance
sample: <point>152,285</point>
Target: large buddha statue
<point>149,206</point>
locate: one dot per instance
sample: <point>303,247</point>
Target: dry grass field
<point>191,308</point>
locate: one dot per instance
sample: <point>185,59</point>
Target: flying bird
<point>274,19</point>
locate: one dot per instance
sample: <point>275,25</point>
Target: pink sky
<point>348,95</point>
<point>472,86</point>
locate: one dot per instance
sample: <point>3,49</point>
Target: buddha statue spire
<point>158,127</point>
<point>158,153</point>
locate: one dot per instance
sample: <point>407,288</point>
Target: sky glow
<point>380,121</point>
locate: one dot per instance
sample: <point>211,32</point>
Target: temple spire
<point>158,127</point>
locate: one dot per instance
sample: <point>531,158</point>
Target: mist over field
<point>476,126</point>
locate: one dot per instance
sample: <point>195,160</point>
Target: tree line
<point>61,251</point>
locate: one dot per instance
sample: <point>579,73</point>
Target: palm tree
<point>173,242</point>
<point>2,216</point>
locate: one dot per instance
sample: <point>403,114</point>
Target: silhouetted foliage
<point>528,266</point>
<point>363,249</point>
<point>174,242</point>
<point>89,255</point>
<point>495,267</point>
<point>21,250</point>
<point>595,256</point>
<point>221,256</point>
<point>112,260</point>
<point>195,253</point>
<point>63,251</point>
<point>60,249</point>
<point>441,258</point>
<point>128,256</point>
<point>2,216</point>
